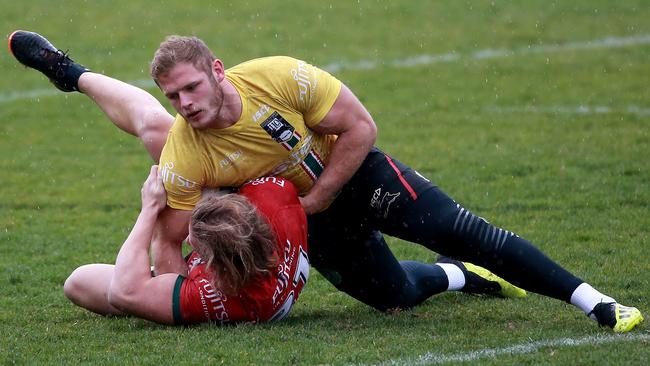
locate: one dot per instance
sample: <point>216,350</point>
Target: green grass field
<point>533,114</point>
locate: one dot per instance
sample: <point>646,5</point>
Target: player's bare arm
<point>356,132</point>
<point>133,290</point>
<point>170,231</point>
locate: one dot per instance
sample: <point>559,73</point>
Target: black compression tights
<point>440,224</point>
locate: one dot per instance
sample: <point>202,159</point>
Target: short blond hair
<point>234,239</point>
<point>179,49</point>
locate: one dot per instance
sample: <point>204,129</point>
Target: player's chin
<point>198,125</point>
<point>198,121</point>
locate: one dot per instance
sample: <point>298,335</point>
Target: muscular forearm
<point>356,131</point>
<point>171,230</point>
<point>347,154</point>
<point>168,257</point>
<point>132,266</point>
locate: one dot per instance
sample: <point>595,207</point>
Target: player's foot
<point>33,50</point>
<point>616,316</point>
<point>479,280</point>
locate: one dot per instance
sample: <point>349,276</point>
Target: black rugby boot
<point>33,50</point>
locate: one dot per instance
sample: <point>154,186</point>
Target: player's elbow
<point>370,130</point>
<point>365,131</point>
<point>122,296</point>
<point>73,287</point>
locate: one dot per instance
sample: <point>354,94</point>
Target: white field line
<point>608,42</point>
<point>431,358</point>
<point>570,110</point>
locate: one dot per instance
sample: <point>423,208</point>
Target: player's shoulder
<point>270,69</point>
<point>178,160</point>
<point>182,141</point>
<point>262,63</point>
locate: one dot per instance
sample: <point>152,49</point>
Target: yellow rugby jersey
<point>281,98</point>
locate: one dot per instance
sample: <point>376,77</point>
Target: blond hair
<point>179,49</point>
<point>236,242</point>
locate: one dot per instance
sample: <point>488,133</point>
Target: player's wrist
<point>316,201</point>
<point>151,209</point>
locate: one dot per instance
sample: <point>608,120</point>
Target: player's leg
<point>365,268</point>
<point>359,262</point>
<point>88,286</point>
<point>512,257</point>
<point>130,108</point>
<point>411,208</point>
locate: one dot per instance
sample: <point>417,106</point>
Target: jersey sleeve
<point>317,91</point>
<point>195,300</point>
<point>180,169</point>
<point>298,84</point>
<point>176,300</point>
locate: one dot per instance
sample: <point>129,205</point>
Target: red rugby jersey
<point>196,300</point>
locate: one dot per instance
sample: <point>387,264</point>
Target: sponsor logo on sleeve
<point>302,75</point>
<point>213,302</point>
<point>176,180</point>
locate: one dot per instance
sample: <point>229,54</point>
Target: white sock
<point>455,276</point>
<point>586,297</point>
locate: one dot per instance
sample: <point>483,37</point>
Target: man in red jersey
<point>263,227</point>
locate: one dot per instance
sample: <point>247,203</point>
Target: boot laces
<point>59,60</point>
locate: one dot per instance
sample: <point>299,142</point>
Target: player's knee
<point>73,286</point>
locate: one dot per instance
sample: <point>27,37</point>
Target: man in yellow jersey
<point>282,116</point>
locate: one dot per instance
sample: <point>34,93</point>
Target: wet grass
<point>552,145</point>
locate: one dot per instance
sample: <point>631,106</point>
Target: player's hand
<point>153,191</point>
<point>312,203</point>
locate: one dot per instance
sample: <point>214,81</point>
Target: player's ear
<point>218,70</point>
